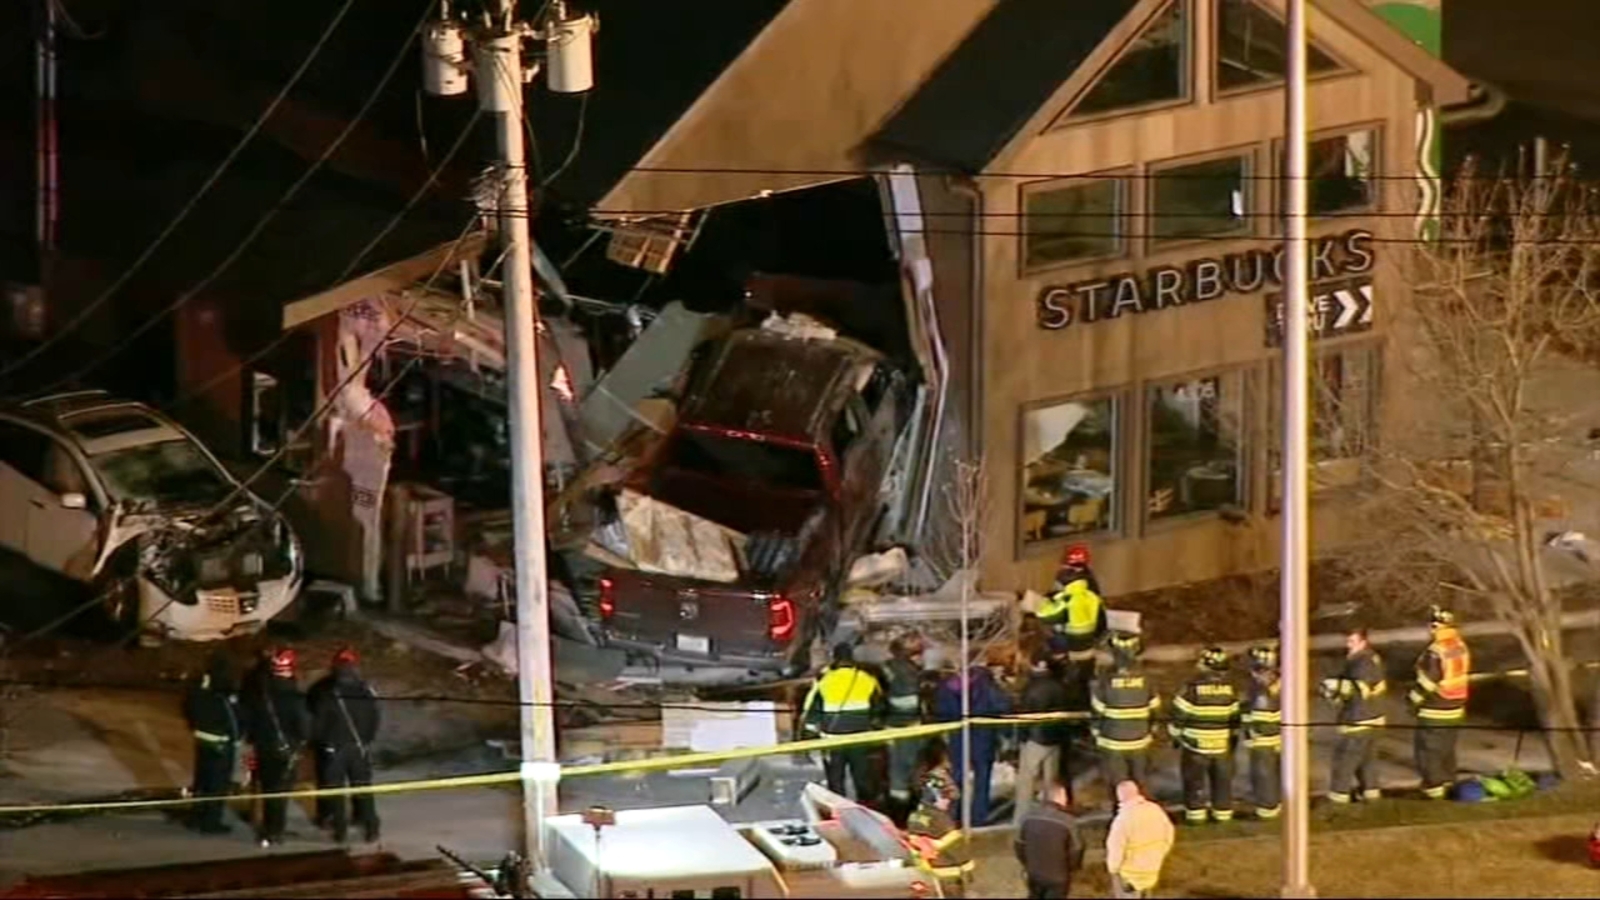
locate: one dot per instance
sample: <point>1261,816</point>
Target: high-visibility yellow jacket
<point>1443,672</point>
<point>845,700</point>
<point>1078,612</point>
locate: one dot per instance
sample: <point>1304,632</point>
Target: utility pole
<point>497,45</point>
<point>1296,560</point>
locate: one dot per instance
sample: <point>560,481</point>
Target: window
<point>726,893</point>
<point>1195,460</point>
<point>1200,199</point>
<point>62,474</point>
<point>1076,221</point>
<point>780,466</point>
<point>1250,44</point>
<point>1341,171</point>
<point>1152,69</point>
<point>25,450</point>
<point>1069,469</point>
<point>172,471</point>
<point>1344,393</point>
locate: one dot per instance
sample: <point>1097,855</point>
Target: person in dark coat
<point>278,724</point>
<point>212,711</point>
<point>1049,846</point>
<point>344,723</point>
<point>1039,762</point>
<point>988,699</point>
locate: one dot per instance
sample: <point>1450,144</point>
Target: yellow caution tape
<point>660,763</point>
<point>681,761</point>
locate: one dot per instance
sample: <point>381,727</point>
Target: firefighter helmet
<point>1264,656</point>
<point>283,660</point>
<point>1439,617</point>
<point>1126,645</point>
<point>1076,556</point>
<point>1214,658</point>
<point>346,656</point>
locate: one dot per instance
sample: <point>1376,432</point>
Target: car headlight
<point>293,553</point>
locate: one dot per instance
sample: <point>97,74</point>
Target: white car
<point>116,495</point>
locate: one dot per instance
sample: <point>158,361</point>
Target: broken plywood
<point>670,541</point>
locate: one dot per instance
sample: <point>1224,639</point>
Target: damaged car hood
<point>185,525</point>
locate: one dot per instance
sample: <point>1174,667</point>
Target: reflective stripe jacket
<point>1358,690</point>
<point>1123,704</point>
<point>1263,715</point>
<point>1442,678</point>
<point>1078,612</point>
<point>1205,714</point>
<point>905,691</point>
<point>845,700</point>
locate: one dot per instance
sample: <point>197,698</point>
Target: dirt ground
<point>1539,857</point>
<point>1245,607</point>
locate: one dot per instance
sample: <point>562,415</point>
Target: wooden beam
<point>397,276</point>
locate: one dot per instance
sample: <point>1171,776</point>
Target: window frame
<point>1374,204</point>
<point>1154,245</point>
<point>46,442</point>
<point>1119,527</point>
<point>1187,68</point>
<point>1374,348</point>
<point>1244,376</point>
<point>1124,177</point>
<point>1218,93</point>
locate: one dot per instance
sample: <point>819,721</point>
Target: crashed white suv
<point>116,495</point>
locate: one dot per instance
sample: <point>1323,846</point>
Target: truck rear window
<point>743,459</point>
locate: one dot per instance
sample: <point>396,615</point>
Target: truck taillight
<point>780,619</point>
<point>608,598</point>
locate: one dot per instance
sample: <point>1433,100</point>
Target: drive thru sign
<point>1335,310</point>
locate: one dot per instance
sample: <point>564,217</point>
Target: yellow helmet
<point>1439,617</point>
<point>1264,656</point>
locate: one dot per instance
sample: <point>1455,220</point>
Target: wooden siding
<point>1027,364</point>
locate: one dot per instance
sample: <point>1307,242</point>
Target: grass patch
<point>1531,847</point>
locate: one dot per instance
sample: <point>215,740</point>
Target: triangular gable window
<point>1153,68</point>
<point>1250,48</point>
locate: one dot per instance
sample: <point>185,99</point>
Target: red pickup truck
<point>785,442</point>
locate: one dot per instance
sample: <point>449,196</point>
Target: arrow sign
<point>1344,309</point>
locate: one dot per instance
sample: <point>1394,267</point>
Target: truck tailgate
<point>685,617</point>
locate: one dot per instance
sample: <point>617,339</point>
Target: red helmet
<point>283,660</point>
<point>346,656</point>
<point>1076,555</point>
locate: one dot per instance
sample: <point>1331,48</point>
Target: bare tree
<point>1498,349</point>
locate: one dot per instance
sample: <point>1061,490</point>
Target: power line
<point>272,213</point>
<point>183,213</point>
<point>1078,176</point>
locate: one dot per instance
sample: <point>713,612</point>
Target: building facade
<point>1092,202</point>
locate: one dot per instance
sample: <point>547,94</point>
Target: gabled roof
<point>998,78</point>
<point>652,60</point>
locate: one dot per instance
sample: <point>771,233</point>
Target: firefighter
<point>1205,717</point>
<point>1357,690</point>
<point>904,672</point>
<point>212,711</point>
<point>1123,704</point>
<point>1263,731</point>
<point>847,699</point>
<point>278,723</point>
<point>932,832</point>
<point>344,723</point>
<point>1075,609</point>
<point>1440,702</point>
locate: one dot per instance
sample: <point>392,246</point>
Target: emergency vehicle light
<point>608,598</point>
<point>780,619</point>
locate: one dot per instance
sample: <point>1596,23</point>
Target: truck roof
<point>773,383</point>
<point>663,844</point>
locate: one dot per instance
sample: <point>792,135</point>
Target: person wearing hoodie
<point>988,699</point>
<point>212,711</point>
<point>344,723</point>
<point>278,724</point>
<point>1137,843</point>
